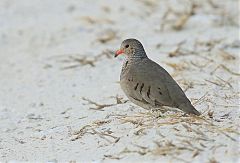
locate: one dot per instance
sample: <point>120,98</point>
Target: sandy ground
<point>60,99</point>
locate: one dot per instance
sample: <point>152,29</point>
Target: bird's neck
<point>138,54</point>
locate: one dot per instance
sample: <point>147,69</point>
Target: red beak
<point>118,52</point>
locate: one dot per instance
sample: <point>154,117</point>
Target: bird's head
<point>131,48</point>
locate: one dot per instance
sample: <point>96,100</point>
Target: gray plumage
<point>147,84</point>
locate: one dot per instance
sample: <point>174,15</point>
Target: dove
<point>147,84</point>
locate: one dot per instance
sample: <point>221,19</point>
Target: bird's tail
<point>189,108</point>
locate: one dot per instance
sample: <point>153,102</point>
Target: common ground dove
<point>146,83</point>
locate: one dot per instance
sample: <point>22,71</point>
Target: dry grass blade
<point>107,36</point>
<point>226,82</point>
<point>212,4</point>
<point>94,20</point>
<point>135,121</point>
<point>233,139</point>
<point>180,159</point>
<point>191,129</point>
<point>119,100</point>
<point>107,53</point>
<point>81,132</point>
<point>78,61</point>
<point>112,157</point>
<point>70,67</point>
<point>84,60</point>
<point>213,160</point>
<point>200,66</point>
<point>225,68</point>
<point>101,122</point>
<point>188,143</point>
<point>177,67</point>
<point>195,138</point>
<point>228,70</point>
<point>104,135</point>
<point>164,17</point>
<point>195,153</point>
<point>200,99</point>
<point>168,149</point>
<point>230,130</point>
<point>140,131</point>
<point>175,53</point>
<point>222,83</point>
<point>149,3</point>
<point>181,21</point>
<point>209,44</point>
<point>89,19</point>
<point>188,85</point>
<point>215,147</point>
<point>215,82</point>
<point>203,119</point>
<point>226,55</point>
<point>141,151</point>
<point>97,106</point>
<point>179,51</point>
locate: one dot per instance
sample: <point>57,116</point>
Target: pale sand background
<point>53,54</point>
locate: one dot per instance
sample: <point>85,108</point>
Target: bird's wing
<point>172,94</point>
<point>149,84</point>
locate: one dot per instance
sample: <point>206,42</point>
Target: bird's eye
<point>126,46</point>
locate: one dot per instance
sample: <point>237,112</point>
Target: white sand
<point>43,116</point>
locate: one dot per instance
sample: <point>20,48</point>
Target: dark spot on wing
<point>141,88</point>
<point>135,88</point>
<point>149,91</point>
<point>160,91</point>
